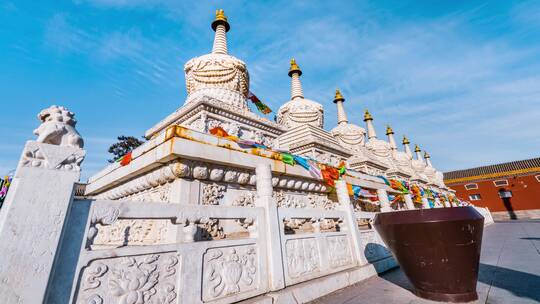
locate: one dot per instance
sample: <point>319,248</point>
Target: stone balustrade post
<point>383,200</point>
<point>32,219</point>
<point>272,233</point>
<point>409,202</point>
<point>346,206</point>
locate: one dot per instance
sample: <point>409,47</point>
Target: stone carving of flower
<point>132,282</point>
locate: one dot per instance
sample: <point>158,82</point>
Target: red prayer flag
<point>126,159</point>
<point>219,131</point>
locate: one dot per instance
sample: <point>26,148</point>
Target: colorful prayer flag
<point>287,158</point>
<point>259,104</point>
<point>126,159</point>
<point>219,131</point>
<point>342,168</point>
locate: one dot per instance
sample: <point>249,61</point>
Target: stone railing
<point>215,253</point>
<point>193,218</point>
<point>230,270</point>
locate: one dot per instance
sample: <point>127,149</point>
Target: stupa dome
<point>403,162</point>
<point>347,134</point>
<point>218,74</point>
<point>299,110</point>
<point>379,147</point>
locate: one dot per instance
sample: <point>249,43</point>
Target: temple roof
<point>496,170</point>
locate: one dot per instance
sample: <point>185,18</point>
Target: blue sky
<point>460,78</point>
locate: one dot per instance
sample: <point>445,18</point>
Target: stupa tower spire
<point>391,140</point>
<point>369,123</point>
<point>296,85</point>
<point>218,75</point>
<point>406,146</point>
<point>341,115</point>
<point>221,27</point>
<point>427,157</point>
<point>418,152</point>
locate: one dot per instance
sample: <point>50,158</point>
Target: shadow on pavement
<point>521,284</point>
<point>531,238</point>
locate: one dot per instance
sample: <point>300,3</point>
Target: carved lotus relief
<point>130,280</point>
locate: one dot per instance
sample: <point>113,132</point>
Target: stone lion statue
<point>58,127</point>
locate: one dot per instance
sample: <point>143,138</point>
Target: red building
<point>509,190</point>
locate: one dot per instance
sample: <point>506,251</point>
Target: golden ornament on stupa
<point>221,19</point>
<point>294,68</point>
<point>405,140</point>
<point>338,96</point>
<point>367,116</point>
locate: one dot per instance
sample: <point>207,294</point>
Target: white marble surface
<point>32,219</point>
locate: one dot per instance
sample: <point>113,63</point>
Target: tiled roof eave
<point>492,175</point>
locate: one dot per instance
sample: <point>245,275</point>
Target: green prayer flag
<point>287,158</point>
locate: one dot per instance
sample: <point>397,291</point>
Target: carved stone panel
<point>302,257</point>
<point>40,155</point>
<point>229,271</point>
<point>301,200</point>
<point>131,279</point>
<point>132,232</point>
<point>339,251</point>
<point>212,194</point>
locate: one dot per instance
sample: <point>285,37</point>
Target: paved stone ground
<point>509,272</point>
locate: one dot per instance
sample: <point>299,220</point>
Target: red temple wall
<point>525,192</point>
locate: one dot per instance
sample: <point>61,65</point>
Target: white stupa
<point>401,159</point>
<point>299,110</point>
<point>347,134</point>
<point>218,74</point>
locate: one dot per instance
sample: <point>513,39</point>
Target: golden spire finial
<point>389,130</point>
<point>405,140</point>
<point>417,148</point>
<point>426,155</point>
<point>367,116</point>
<point>221,19</point>
<point>338,96</point>
<point>294,68</point>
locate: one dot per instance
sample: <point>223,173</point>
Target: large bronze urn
<point>438,249</point>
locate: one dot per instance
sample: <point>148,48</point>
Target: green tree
<point>124,145</point>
